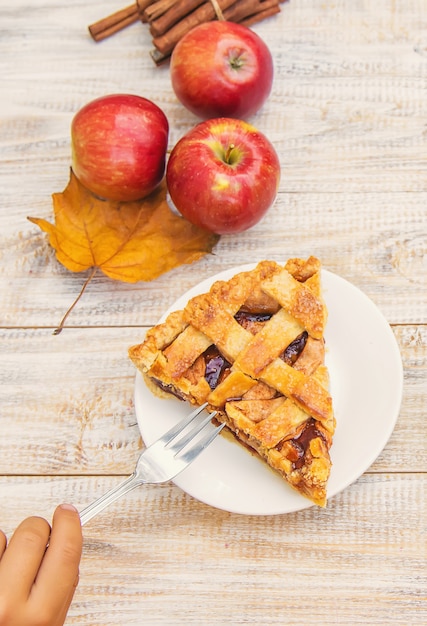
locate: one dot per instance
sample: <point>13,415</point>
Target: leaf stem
<point>83,289</point>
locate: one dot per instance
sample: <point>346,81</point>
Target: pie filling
<point>302,443</point>
<point>217,367</point>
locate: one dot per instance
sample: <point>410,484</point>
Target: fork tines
<point>169,439</point>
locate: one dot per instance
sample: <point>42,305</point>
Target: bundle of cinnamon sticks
<point>170,20</point>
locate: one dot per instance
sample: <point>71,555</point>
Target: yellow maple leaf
<point>129,241</point>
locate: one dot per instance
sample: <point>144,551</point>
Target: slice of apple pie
<point>253,348</point>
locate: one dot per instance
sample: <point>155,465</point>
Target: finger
<point>3,543</point>
<point>63,611</point>
<point>21,560</point>
<point>59,570</point>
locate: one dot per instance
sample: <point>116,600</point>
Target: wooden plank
<point>164,558</point>
<point>376,241</point>
<point>67,403</point>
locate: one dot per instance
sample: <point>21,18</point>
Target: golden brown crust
<point>157,339</point>
<point>253,348</point>
<point>299,301</point>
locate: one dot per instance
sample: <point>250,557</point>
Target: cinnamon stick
<point>205,13</point>
<point>262,15</point>
<point>178,10</point>
<point>233,11</point>
<point>156,9</point>
<point>246,9</point>
<point>115,22</point>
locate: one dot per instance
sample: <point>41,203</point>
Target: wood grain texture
<point>347,115</point>
<point>376,241</point>
<point>68,403</point>
<point>160,557</point>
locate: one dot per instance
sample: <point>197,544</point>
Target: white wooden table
<point>348,115</point>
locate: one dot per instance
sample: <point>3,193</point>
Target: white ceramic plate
<point>366,386</point>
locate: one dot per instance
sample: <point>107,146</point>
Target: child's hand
<point>38,584</point>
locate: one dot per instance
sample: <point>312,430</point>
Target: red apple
<point>223,175</point>
<point>221,69</point>
<point>119,145</point>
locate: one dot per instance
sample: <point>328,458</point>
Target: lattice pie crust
<point>253,348</point>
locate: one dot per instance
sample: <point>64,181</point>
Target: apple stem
<point>229,152</point>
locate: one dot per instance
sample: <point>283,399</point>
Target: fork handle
<point>109,497</point>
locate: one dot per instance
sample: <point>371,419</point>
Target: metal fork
<point>161,461</point>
